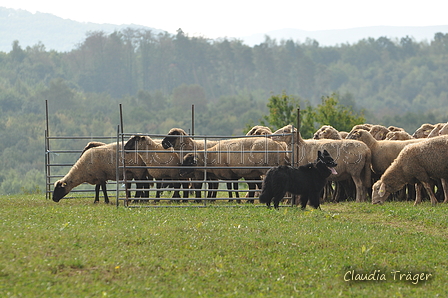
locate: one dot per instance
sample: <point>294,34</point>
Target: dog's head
<point>326,158</point>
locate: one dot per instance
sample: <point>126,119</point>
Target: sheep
<point>383,151</point>
<point>327,132</point>
<point>379,132</point>
<point>395,128</point>
<point>96,166</point>
<point>398,136</point>
<point>185,144</point>
<point>353,157</point>
<point>444,130</point>
<point>435,131</point>
<point>343,134</point>
<point>145,145</point>
<point>365,126</point>
<point>423,131</point>
<point>238,158</point>
<point>259,130</point>
<point>416,162</point>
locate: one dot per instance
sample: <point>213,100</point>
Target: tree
<point>330,112</point>
<point>283,111</point>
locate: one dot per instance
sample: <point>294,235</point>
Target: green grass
<point>77,249</point>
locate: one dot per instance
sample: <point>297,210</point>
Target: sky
<point>232,18</point>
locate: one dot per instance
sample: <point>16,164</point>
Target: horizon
<point>198,18</point>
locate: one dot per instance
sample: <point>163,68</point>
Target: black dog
<point>307,181</point>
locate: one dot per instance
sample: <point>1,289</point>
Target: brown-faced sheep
<point>184,143</point>
<point>423,131</point>
<point>96,166</point>
<point>238,158</point>
<point>155,155</point>
<point>416,162</point>
<point>353,157</point>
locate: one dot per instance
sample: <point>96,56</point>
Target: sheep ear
<point>64,184</point>
<point>382,190</point>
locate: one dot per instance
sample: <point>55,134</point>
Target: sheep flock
<point>374,162</point>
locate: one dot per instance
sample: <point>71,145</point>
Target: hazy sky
<point>244,17</point>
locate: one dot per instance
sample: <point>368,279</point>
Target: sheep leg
<point>97,193</point>
<point>445,190</point>
<point>229,188</point>
<point>431,194</point>
<point>252,186</point>
<point>106,198</point>
<point>418,194</point>
<point>360,189</point>
<point>186,191</point>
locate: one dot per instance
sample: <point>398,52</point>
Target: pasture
<point>77,249</point>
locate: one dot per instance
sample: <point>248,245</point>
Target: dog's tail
<point>264,196</point>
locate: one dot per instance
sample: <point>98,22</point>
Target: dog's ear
<point>319,155</point>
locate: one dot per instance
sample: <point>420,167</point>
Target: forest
<point>158,77</point>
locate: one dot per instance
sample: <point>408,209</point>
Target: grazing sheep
<point>259,130</point>
<point>154,154</point>
<point>416,162</point>
<point>238,158</point>
<point>379,132</point>
<point>423,131</point>
<point>327,132</point>
<point>398,136</point>
<point>353,157</point>
<point>96,166</point>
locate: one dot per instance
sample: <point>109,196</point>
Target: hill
<point>54,32</point>
<point>63,35</point>
<point>351,36</point>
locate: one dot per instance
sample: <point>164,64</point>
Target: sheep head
<point>258,130</point>
<point>170,141</point>
<point>379,192</point>
<point>60,190</point>
<point>190,160</point>
<point>356,134</point>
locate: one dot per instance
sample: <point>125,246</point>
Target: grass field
<point>77,249</point>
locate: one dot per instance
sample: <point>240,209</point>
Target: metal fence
<point>205,185</point>
<point>61,153</point>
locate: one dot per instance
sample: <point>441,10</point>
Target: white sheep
<point>416,162</point>
<point>353,157</point>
